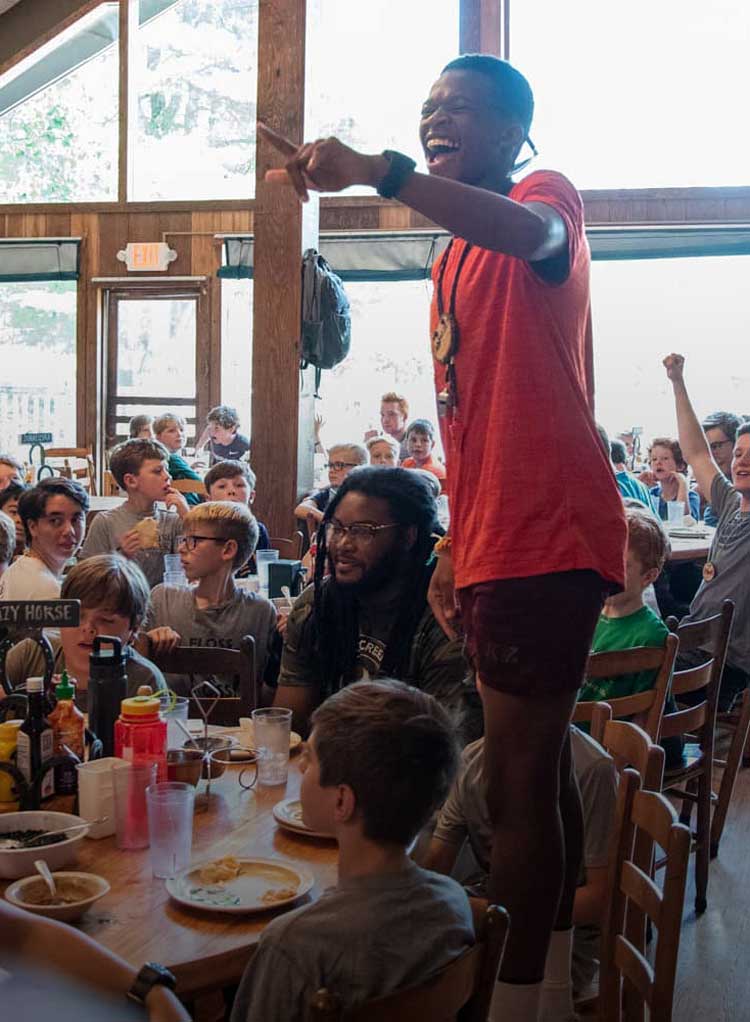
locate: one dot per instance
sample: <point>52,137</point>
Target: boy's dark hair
<point>396,749</point>
<point>12,492</point>
<point>512,91</point>
<point>725,421</point>
<point>335,617</point>
<point>224,416</point>
<point>229,469</point>
<point>743,430</point>
<point>32,504</point>
<point>647,538</point>
<point>128,457</point>
<point>673,446</point>
<point>137,423</point>
<point>604,439</point>
<point>423,426</point>
<point>618,452</point>
<point>109,582</point>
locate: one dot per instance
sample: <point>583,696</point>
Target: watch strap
<point>152,974</point>
<point>400,168</point>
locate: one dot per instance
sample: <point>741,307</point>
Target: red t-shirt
<point>531,491</point>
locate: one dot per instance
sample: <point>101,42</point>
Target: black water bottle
<point>108,686</point>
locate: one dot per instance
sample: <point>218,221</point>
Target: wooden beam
<point>32,23</point>
<point>283,229</point>
<point>482,26</point>
<point>128,27</point>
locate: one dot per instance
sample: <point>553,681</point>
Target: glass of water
<point>272,727</point>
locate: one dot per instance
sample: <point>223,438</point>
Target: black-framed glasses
<point>191,542</point>
<point>718,444</point>
<point>360,532</point>
<point>338,466</point>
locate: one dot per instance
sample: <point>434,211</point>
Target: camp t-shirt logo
<point>370,656</point>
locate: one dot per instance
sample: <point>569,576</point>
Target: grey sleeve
<point>272,988</point>
<point>264,639</point>
<point>20,662</point>
<point>451,824</point>
<point>599,796</point>
<point>156,614</point>
<point>721,492</point>
<point>99,538</point>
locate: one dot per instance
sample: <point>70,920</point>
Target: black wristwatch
<point>400,168</point>
<point>151,975</point>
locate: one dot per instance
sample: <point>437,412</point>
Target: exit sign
<point>146,256</point>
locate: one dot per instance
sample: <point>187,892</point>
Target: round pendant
<point>443,339</point>
<point>709,572</point>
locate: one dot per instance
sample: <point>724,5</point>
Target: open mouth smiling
<point>438,147</point>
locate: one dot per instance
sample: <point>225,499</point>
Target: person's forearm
<point>692,438</point>
<point>481,217</point>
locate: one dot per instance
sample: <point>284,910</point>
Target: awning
<point>29,259</point>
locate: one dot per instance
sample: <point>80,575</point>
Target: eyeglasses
<point>358,533</point>
<point>718,444</point>
<point>191,542</point>
<point>339,466</point>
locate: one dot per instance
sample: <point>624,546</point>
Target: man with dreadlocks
<point>527,567</point>
<point>367,614</point>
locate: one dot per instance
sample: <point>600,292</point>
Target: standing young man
<point>528,566</point>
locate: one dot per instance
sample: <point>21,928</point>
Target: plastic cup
<point>173,564</point>
<point>131,816</point>
<point>172,712</point>
<point>170,826</point>
<point>262,557</point>
<point>272,726</point>
<point>675,512</point>
<point>96,795</point>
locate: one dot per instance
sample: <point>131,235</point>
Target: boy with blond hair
<point>218,537</point>
<point>170,431</point>
<point>342,458</point>
<point>379,761</point>
<point>137,530</point>
<point>114,597</point>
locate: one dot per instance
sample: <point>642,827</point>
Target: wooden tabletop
<point>205,950</point>
<point>97,504</point>
<point>691,549</point>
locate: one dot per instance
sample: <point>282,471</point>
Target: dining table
<point>691,548</point>
<point>97,504</point>
<point>205,949</point>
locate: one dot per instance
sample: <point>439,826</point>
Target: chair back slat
<point>689,720</point>
<point>199,662</point>
<point>189,486</point>
<point>640,888</point>
<point>461,990</point>
<point>693,679</point>
<point>291,548</point>
<point>634,967</point>
<point>630,746</point>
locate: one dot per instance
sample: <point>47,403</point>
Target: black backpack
<point>326,320</point>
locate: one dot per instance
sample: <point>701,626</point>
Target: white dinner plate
<point>247,892</point>
<point>288,814</point>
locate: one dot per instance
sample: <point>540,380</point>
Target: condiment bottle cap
<point>140,706</point>
<point>65,689</point>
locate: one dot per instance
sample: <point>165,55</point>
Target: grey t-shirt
<point>365,938</point>
<point>465,816</point>
<point>730,557</point>
<point>109,526</point>
<point>26,660</point>
<point>223,626</point>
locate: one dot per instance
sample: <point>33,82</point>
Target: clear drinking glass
<point>174,708</point>
<point>170,826</point>
<point>675,512</point>
<point>262,557</point>
<point>272,727</point>
<point>129,783</point>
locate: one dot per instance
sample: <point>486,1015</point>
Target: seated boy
<point>170,431</point>
<point>342,458</point>
<point>54,521</point>
<point>7,541</point>
<point>465,816</point>
<point>141,427</point>
<point>217,538</point>
<point>9,498</point>
<point>380,759</point>
<point>235,481</point>
<point>420,442</point>
<point>384,450</point>
<point>136,529</point>
<point>222,435</point>
<point>114,599</point>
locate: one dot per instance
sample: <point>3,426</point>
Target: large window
<point>58,116</point>
<point>371,66</point>
<point>637,95</point>
<point>237,347</point>
<point>390,351</point>
<point>38,356</point>
<point>645,309</point>
<point>195,76</point>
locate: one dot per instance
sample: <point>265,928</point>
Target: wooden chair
<point>109,485</point>
<point>85,474</point>
<point>189,486</point>
<point>630,746</point>
<point>712,635</point>
<point>201,662</point>
<point>289,549</point>
<point>461,990</point>
<point>645,708</point>
<point>628,982</point>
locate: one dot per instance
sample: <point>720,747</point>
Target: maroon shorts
<point>532,636</point>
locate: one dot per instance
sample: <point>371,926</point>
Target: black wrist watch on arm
<point>151,975</point>
<point>400,168</point>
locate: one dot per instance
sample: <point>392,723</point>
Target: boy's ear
<point>251,499</point>
<point>230,550</point>
<point>346,804</point>
<point>130,481</point>
<point>650,576</point>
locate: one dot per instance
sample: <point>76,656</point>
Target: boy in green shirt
<point>625,620</point>
<point>169,430</point>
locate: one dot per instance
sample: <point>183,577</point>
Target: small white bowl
<point>96,887</point>
<point>19,862</point>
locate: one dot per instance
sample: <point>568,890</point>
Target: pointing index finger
<point>280,144</point>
